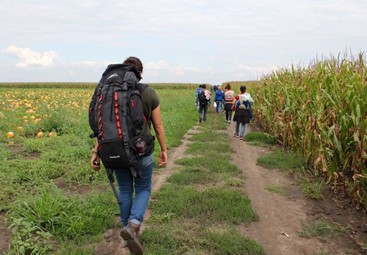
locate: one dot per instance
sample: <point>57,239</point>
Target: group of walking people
<point>237,108</point>
<point>134,179</point>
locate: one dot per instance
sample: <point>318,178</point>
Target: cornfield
<point>321,111</point>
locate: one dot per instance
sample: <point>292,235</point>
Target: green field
<point>48,157</point>
<point>54,203</point>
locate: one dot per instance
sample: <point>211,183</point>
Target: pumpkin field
<point>45,147</point>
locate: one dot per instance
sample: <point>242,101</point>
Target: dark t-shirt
<point>150,101</point>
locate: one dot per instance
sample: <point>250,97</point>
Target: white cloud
<point>161,64</point>
<point>253,69</point>
<point>164,66</point>
<point>90,63</point>
<point>27,57</point>
<point>245,72</point>
<point>183,41</point>
<point>182,70</point>
<point>168,72</point>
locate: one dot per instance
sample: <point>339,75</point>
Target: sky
<point>192,41</point>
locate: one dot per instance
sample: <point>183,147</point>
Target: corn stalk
<point>321,111</point>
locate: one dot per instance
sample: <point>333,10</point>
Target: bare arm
<point>95,160</point>
<point>234,104</point>
<point>159,131</point>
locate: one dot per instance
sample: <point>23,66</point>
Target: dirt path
<point>5,235</point>
<point>113,243</point>
<point>281,216</point>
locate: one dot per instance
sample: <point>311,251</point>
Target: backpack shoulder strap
<point>141,86</point>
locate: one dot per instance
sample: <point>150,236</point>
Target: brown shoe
<point>131,236</point>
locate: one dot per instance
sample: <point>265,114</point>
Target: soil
<point>17,150</point>
<point>75,188</point>
<point>5,235</point>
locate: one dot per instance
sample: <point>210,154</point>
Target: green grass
<point>180,237</point>
<point>312,189</point>
<point>230,242</point>
<point>275,189</point>
<point>178,115</point>
<point>191,176</point>
<point>211,162</point>
<point>259,138</point>
<point>321,229</point>
<point>222,148</point>
<point>67,218</point>
<point>38,221</point>
<point>27,238</point>
<point>215,205</point>
<point>282,160</point>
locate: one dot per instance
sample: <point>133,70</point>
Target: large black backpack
<point>117,119</point>
<point>202,98</point>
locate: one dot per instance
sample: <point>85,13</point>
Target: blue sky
<point>201,41</point>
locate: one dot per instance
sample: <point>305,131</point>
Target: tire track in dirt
<point>280,217</point>
<point>5,235</point>
<point>113,243</point>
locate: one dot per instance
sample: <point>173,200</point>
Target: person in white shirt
<point>228,98</point>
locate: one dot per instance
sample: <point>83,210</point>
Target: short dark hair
<point>243,88</point>
<point>228,86</point>
<point>136,62</point>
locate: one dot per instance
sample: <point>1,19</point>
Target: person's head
<point>243,89</point>
<point>203,86</point>
<point>228,86</point>
<point>136,62</point>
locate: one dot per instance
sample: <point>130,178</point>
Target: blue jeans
<point>219,106</point>
<point>133,208</point>
<point>202,112</point>
<point>243,129</point>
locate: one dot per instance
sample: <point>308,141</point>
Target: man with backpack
<point>197,96</point>
<point>120,115</point>
<point>204,99</point>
